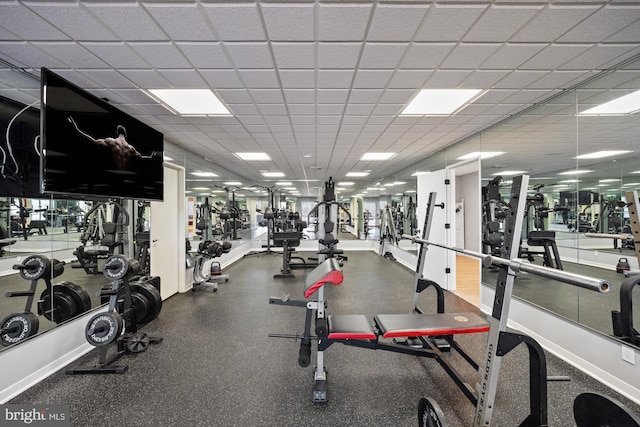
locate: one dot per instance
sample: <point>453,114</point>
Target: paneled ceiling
<point>316,84</point>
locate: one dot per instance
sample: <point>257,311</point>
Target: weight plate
<point>18,327</point>
<point>104,328</point>
<point>58,267</point>
<point>596,410</point>
<point>151,294</point>
<point>64,307</point>
<point>429,414</point>
<point>39,266</point>
<point>79,295</point>
<point>138,342</point>
<point>116,267</point>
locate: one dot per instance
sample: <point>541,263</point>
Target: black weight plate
<point>18,327</point>
<point>152,296</point>
<point>58,267</point>
<point>104,328</point>
<point>79,295</point>
<point>138,342</point>
<point>430,414</point>
<point>63,308</point>
<point>40,267</point>
<point>596,410</point>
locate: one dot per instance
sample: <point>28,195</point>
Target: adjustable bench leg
<point>319,391</point>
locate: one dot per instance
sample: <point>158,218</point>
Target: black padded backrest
<point>328,227</point>
<point>291,237</point>
<point>493,226</point>
<point>3,232</point>
<point>109,227</point>
<point>538,238</point>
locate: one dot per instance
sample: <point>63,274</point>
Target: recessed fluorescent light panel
<point>481,154</point>
<point>253,156</point>
<point>377,156</point>
<point>284,183</point>
<point>273,174</point>
<point>626,104</point>
<point>509,173</point>
<point>575,172</point>
<point>191,102</point>
<point>439,102</point>
<point>346,183</point>
<point>204,174</point>
<point>419,173</point>
<point>357,174</point>
<point>602,154</point>
<point>238,183</point>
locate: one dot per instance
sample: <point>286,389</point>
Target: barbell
<point>523,266</point>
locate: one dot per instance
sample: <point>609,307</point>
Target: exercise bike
<point>209,275</point>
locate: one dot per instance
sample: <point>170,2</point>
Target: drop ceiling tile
<point>161,54</point>
<point>267,96</point>
<point>74,54</point>
<point>382,55</point>
<point>205,54</point>
<point>338,55</point>
<point>26,53</point>
<point>359,109</point>
<point>222,79</point>
<point>182,21</point>
<point>302,109</point>
<point>465,56</point>
<point>601,56</point>
<point>288,22</point>
<point>187,79</point>
<point>409,79</point>
<point>249,55</point>
<point>448,22</point>
<point>225,19</point>
<point>426,55</point>
<point>116,54</point>
<point>558,79</point>
<point>113,80</point>
<point>365,96</point>
<point>342,23</point>
<point>300,96</point>
<point>297,79</point>
<point>396,96</point>
<point>483,79</point>
<point>260,79</point>
<point>13,17</point>
<point>552,22</point>
<point>511,56</point>
<point>387,109</point>
<point>372,78</point>
<point>602,24</point>
<point>147,79</point>
<point>395,22</point>
<point>498,23</point>
<point>244,109</point>
<point>273,110</point>
<point>234,96</point>
<point>553,56</point>
<point>303,120</point>
<point>330,109</point>
<point>130,21</point>
<point>294,55</point>
<point>74,20</point>
<point>332,96</point>
<point>335,79</point>
<point>446,79</point>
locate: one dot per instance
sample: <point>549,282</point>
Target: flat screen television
<point>91,148</point>
<point>19,149</point>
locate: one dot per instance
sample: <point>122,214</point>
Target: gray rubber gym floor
<point>218,367</point>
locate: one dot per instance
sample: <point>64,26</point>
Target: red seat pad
<point>334,277</point>
<point>328,271</point>
<point>418,325</point>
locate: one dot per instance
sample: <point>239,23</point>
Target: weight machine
<point>431,335</point>
<point>209,275</point>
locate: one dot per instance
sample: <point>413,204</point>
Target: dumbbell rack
<point>108,327</point>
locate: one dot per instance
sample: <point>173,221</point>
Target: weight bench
<point>419,334</point>
<point>5,240</point>
<point>546,239</point>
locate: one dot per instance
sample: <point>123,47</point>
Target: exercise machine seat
<point>419,325</point>
<point>5,240</point>
<point>328,271</point>
<point>350,326</point>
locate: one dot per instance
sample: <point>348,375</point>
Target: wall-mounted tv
<point>91,148</point>
<point>19,149</point>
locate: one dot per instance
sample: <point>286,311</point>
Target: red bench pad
<point>418,325</point>
<point>328,271</point>
<point>350,326</point>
